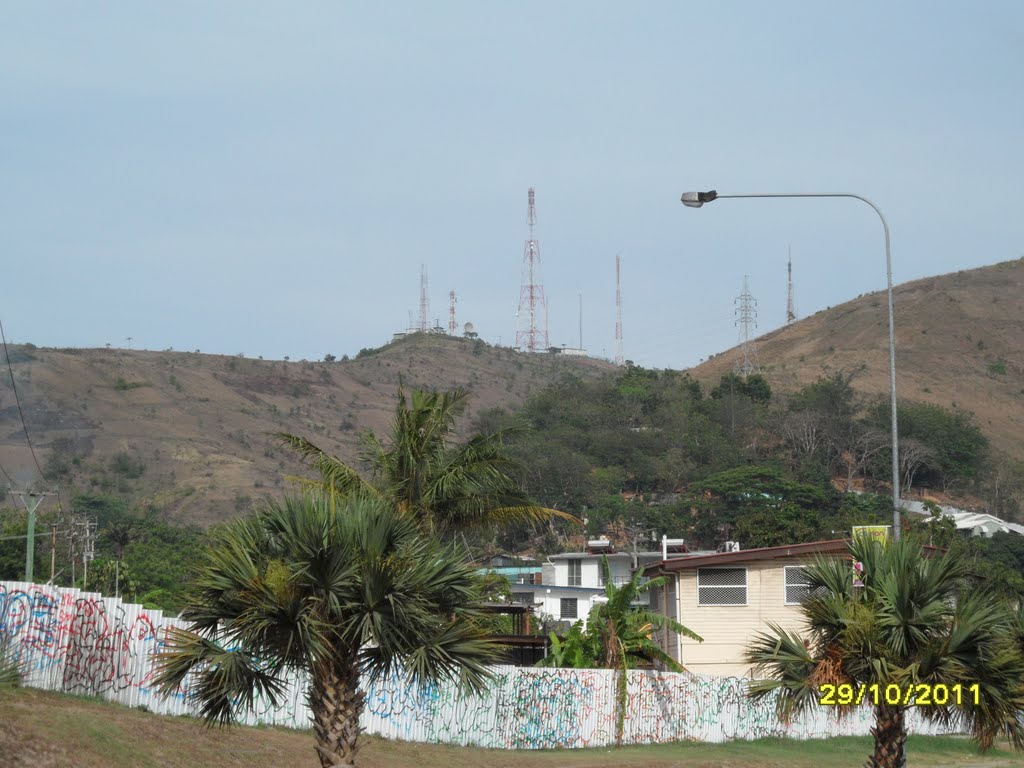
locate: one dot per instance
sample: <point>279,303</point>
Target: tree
<point>619,636</point>
<point>624,630</point>
<point>332,587</point>
<point>916,621</point>
<point>445,487</point>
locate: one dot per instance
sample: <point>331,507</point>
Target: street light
<point>698,199</point>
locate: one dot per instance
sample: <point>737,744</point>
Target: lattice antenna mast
<point>620,358</point>
<point>790,308</point>
<point>532,304</point>
<point>451,313</point>
<point>424,301</point>
<point>746,318</point>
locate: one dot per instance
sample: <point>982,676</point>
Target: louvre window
<point>721,586</point>
<point>797,587</point>
<point>568,609</point>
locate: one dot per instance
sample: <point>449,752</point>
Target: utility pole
<point>746,319</point>
<point>31,504</point>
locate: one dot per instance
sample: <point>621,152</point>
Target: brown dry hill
<point>186,432</point>
<point>959,343</point>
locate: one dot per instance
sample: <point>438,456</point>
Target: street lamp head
<point>697,199</point>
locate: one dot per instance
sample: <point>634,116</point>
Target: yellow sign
<point>879,533</point>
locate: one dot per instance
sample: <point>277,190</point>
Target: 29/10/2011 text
<point>919,695</point>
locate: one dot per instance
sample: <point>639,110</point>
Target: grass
<point>45,730</point>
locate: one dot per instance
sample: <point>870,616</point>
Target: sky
<point>268,178</point>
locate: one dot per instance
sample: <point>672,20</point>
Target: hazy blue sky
<point>267,178</point>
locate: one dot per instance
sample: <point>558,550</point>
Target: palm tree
<point>337,588</point>
<point>915,621</point>
<point>446,487</point>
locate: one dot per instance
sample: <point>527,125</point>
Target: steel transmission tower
<point>619,357</point>
<point>424,323</point>
<point>533,308</point>
<point>746,319</point>
<point>451,313</point>
<point>790,308</point>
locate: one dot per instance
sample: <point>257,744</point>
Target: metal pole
<point>892,335</point>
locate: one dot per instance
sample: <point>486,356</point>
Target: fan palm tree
<point>337,588</point>
<point>444,486</point>
<point>915,621</point>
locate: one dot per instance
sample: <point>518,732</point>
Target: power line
<point>24,425</point>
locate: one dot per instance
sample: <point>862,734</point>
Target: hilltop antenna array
<point>619,357</point>
<point>790,308</point>
<point>451,312</point>
<point>529,336</point>
<point>746,319</point>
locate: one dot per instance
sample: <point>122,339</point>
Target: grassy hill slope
<point>959,342</point>
<point>186,432</point>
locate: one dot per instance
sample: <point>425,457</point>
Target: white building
<point>573,582</point>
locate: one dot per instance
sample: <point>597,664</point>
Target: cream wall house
<point>728,597</point>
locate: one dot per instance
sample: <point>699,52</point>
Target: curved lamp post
<point>697,199</point>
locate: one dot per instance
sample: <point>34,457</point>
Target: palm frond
<point>334,473</point>
<point>222,679</point>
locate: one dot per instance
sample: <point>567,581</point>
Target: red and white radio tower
<point>451,313</point>
<point>619,357</point>
<point>529,337</point>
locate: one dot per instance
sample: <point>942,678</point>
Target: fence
<point>78,642</point>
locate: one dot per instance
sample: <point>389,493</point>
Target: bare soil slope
<point>959,342</point>
<point>187,432</point>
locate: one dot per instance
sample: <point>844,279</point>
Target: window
<point>721,586</point>
<point>575,572</point>
<point>568,608</point>
<point>797,587</point>
<point>523,598</point>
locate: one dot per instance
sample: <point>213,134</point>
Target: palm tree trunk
<point>890,738</point>
<point>336,702</point>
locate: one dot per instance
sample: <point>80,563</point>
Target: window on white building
<point>568,608</point>
<point>575,572</point>
<point>721,586</point>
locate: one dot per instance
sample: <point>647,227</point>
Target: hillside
<point>959,342</point>
<point>185,432</point>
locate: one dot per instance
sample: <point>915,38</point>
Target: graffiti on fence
<point>67,640</point>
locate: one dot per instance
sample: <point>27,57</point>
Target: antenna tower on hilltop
<point>451,313</point>
<point>746,319</point>
<point>790,309</point>
<point>424,301</point>
<point>619,357</point>
<point>529,337</point>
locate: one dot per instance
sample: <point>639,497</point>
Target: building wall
<point>728,629</point>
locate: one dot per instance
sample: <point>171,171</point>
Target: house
<point>572,582</point>
<point>727,597</point>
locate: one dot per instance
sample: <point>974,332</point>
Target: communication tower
<point>424,324</point>
<point>619,356</point>
<point>530,337</point>
<point>790,308</point>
